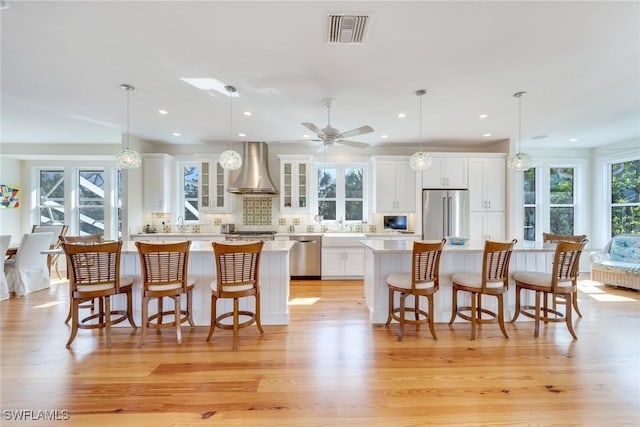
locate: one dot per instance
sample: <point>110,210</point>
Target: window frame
<point>341,198</point>
<point>610,204</point>
<point>181,199</point>
<point>71,172</point>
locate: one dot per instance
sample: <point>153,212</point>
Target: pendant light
<point>126,157</point>
<point>420,161</point>
<point>520,162</point>
<point>229,159</point>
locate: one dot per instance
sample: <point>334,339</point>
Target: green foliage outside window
<point>561,192</point>
<point>625,197</point>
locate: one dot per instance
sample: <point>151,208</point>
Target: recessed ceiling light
<point>483,116</point>
<point>306,136</point>
<point>486,134</point>
<point>163,112</point>
<point>384,136</point>
<point>242,134</point>
<point>574,139</point>
<point>402,115</point>
<point>247,113</point>
<point>176,134</point>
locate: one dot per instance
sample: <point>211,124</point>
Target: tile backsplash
<point>257,210</point>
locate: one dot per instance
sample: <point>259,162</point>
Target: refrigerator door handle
<point>444,217</point>
<point>449,219</point>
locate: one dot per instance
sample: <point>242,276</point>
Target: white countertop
<point>204,246</point>
<point>405,246</point>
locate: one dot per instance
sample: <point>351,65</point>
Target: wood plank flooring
<point>328,367</point>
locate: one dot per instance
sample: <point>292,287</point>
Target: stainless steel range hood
<point>253,177</point>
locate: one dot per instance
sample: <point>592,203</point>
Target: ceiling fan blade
<point>313,128</point>
<point>358,131</point>
<point>355,144</point>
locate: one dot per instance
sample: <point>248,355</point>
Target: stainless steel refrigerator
<point>445,213</point>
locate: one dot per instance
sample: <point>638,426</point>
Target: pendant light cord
<point>519,95</point>
<point>231,90</point>
<point>128,116</point>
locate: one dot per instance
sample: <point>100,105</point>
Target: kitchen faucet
<point>180,221</point>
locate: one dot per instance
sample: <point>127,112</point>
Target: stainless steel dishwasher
<point>305,257</point>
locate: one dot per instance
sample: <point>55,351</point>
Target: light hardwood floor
<point>328,367</point>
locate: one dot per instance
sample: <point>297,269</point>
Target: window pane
<point>353,210</point>
<point>530,223</point>
<point>51,197</point>
<point>327,209</point>
<point>625,182</point>
<point>530,186</point>
<point>326,183</point>
<point>91,202</point>
<point>353,183</point>
<point>561,188</point>
<point>625,220</point>
<point>561,220</point>
<point>191,175</point>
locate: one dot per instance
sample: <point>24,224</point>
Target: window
<point>530,204</point>
<point>91,202</point>
<point>51,197</point>
<point>341,193</point>
<point>625,197</point>
<point>561,197</point>
<point>189,208</point>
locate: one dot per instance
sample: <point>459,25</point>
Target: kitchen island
<point>274,282</point>
<point>383,257</point>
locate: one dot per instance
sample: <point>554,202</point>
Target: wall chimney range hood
<point>253,177</point>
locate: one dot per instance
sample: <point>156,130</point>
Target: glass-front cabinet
<point>294,183</point>
<point>213,184</point>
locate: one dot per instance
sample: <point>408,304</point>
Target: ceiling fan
<point>330,135</point>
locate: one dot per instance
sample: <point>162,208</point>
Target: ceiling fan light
<point>128,158</point>
<point>420,161</point>
<point>520,162</point>
<point>230,160</point>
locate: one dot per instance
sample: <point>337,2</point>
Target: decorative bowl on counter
<point>457,241</point>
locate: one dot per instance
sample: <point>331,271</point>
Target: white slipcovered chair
<point>4,288</point>
<point>27,271</point>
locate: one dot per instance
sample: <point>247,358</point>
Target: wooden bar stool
<point>86,240</point>
<point>237,276</point>
<point>421,281</point>
<point>94,272</point>
<point>555,238</point>
<point>563,281</point>
<point>165,275</point>
<point>494,281</point>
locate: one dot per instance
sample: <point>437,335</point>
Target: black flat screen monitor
<point>395,222</point>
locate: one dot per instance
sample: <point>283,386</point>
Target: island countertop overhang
<point>406,246</point>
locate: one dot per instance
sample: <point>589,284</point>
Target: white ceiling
<point>63,63</point>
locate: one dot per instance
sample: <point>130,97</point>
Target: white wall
<point>11,219</point>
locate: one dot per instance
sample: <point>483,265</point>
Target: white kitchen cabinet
<point>394,185</point>
<point>342,256</point>
<point>342,263</point>
<point>157,173</point>
<point>446,172</point>
<point>487,198</point>
<point>294,183</point>
<point>487,184</point>
<point>486,225</point>
<point>212,186</point>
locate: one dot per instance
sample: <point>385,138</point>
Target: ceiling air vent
<point>347,28</point>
